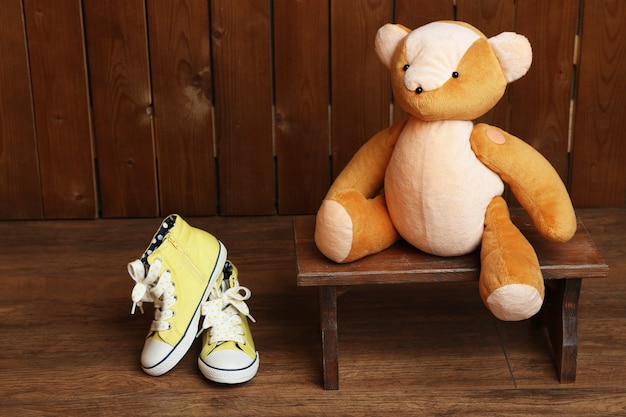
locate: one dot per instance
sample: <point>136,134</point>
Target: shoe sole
<point>179,351</point>
<point>229,376</point>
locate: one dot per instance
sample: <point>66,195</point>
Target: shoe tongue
<point>156,336</point>
<point>228,345</point>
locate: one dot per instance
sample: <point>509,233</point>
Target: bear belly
<point>437,191</point>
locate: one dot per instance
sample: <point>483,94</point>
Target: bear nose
<point>414,80</point>
<point>421,78</point>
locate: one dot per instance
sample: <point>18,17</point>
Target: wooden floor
<point>69,345</point>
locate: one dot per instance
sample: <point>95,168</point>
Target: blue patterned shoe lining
<point>166,226</point>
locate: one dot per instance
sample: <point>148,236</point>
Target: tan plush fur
<point>436,179</point>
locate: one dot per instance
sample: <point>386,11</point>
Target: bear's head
<point>449,70</point>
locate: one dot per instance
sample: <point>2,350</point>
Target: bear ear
<point>514,53</point>
<point>388,38</point>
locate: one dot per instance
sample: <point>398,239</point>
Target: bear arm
<point>365,172</point>
<point>532,179</point>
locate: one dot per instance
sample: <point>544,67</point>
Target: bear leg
<point>511,284</point>
<point>350,226</point>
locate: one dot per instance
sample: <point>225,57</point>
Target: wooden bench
<point>563,267</point>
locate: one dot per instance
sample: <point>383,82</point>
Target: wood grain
<point>598,172</point>
<point>301,82</point>
<point>563,267</point>
<point>243,106</point>
<point>20,186</point>
<point>406,350</point>
<point>122,107</point>
<point>360,89</point>
<point>138,108</point>
<point>414,14</point>
<point>180,65</point>
<point>61,98</point>
<point>540,101</point>
<point>402,263</point>
<point>469,402</point>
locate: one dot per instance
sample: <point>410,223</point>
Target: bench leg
<point>330,341</point>
<point>560,316</point>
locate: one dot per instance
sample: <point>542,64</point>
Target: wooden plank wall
<point>139,108</point>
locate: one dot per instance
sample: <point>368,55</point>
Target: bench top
<point>402,263</point>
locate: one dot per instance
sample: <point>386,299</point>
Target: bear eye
<point>406,67</point>
<point>455,74</point>
<point>419,90</point>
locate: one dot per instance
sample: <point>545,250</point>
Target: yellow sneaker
<point>183,265</point>
<point>228,354</point>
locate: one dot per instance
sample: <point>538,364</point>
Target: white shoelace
<point>155,288</point>
<point>221,314</point>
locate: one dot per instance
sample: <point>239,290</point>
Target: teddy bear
<point>436,179</point>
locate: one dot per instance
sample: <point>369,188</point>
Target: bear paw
<point>334,231</point>
<point>515,302</point>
